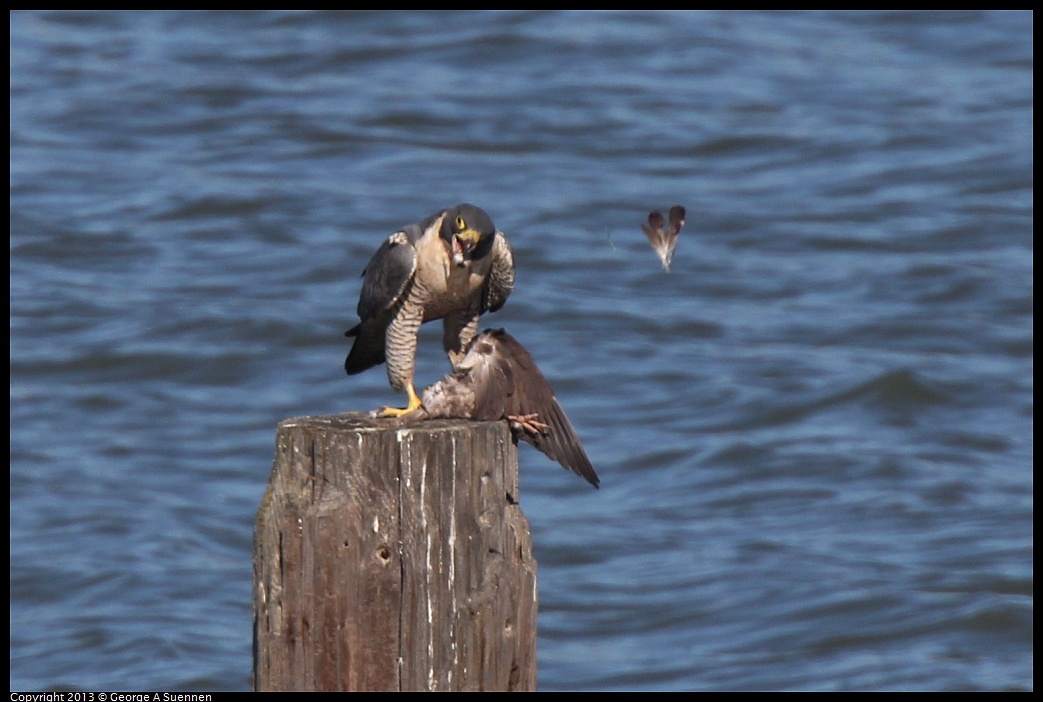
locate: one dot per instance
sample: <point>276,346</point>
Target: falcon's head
<point>468,233</point>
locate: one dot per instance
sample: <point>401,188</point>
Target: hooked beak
<point>463,243</point>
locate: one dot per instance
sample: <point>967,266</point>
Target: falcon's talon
<point>391,412</point>
<point>413,404</point>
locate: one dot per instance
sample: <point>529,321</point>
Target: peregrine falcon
<point>453,266</point>
<point>664,242</point>
<point>498,379</point>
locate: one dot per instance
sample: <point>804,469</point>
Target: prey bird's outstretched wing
<point>508,384</point>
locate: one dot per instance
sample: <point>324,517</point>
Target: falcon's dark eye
<point>460,223</point>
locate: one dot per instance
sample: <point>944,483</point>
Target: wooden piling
<point>393,558</point>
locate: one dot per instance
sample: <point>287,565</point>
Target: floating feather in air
<point>664,241</point>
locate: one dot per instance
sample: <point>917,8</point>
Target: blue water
<point>814,434</point>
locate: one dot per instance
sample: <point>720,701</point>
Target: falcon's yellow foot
<point>413,404</point>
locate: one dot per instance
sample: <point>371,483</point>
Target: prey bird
<point>454,266</point>
<point>498,379</point>
<point>664,241</point>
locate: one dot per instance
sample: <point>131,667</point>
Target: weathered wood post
<point>393,558</point>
